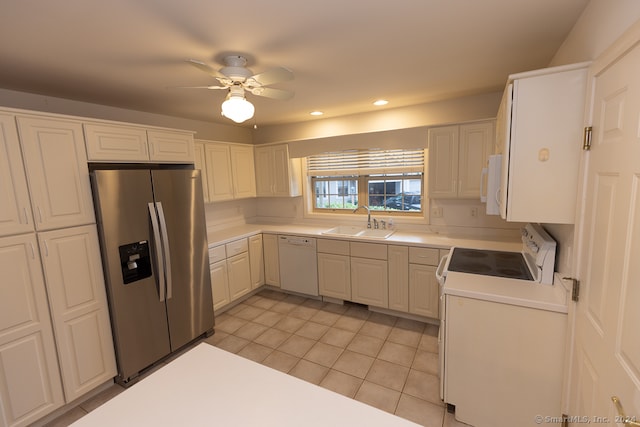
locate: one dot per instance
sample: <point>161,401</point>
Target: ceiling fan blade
<point>269,77</point>
<point>198,87</point>
<point>207,69</point>
<point>269,92</point>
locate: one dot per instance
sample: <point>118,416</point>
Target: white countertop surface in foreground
<point>208,386</point>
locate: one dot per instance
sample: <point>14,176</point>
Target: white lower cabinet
<point>334,268</point>
<point>271,259</point>
<point>423,286</point>
<point>369,276</point>
<point>398,277</point>
<point>219,284</point>
<point>78,301</point>
<point>31,385</point>
<point>239,272</point>
<point>233,275</point>
<point>256,260</point>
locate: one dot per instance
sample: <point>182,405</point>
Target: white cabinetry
<point>122,143</point>
<point>75,285</point>
<point>398,277</point>
<point>423,285</point>
<point>230,270</point>
<point>256,260</point>
<point>271,259</point>
<point>540,129</point>
<point>56,166</point>
<point>219,277</point>
<point>369,280</point>
<point>35,365</point>
<point>334,268</point>
<point>31,385</point>
<point>227,169</point>
<point>457,155</point>
<point>277,175</point>
<point>15,209</point>
<point>218,167</point>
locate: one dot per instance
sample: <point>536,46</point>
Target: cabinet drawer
<point>330,246</point>
<point>427,256</point>
<point>237,247</point>
<point>369,250</point>
<point>217,254</point>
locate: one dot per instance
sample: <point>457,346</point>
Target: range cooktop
<point>511,265</point>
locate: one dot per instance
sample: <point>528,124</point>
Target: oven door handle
<point>440,270</point>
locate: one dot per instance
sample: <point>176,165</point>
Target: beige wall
<point>204,130</point>
<point>315,132</point>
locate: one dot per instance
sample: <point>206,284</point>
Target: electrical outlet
<point>436,212</point>
<point>474,212</point>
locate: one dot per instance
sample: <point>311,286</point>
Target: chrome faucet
<point>368,214</point>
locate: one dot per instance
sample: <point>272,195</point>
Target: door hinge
<point>586,140</point>
<point>575,288</point>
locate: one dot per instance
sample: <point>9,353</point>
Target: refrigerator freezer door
<point>138,316</point>
<point>189,302</point>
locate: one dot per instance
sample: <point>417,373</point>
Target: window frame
<point>363,194</point>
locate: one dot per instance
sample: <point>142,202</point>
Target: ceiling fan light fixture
<point>237,108</point>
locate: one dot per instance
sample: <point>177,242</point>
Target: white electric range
<point>502,332</point>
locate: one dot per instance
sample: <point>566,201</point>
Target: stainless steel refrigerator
<point>154,247</point>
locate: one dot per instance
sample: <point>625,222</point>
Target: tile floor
<point>385,361</point>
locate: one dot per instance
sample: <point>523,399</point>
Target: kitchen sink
<point>345,230</point>
<point>375,233</point>
<point>356,231</point>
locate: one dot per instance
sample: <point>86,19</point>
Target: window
<point>384,180</point>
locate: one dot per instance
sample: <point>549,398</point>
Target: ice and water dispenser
<point>135,261</point>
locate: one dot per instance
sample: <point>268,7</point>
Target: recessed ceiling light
<point>381,102</point>
<point>316,113</point>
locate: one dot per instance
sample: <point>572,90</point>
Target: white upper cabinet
<point>277,175</point>
<point>457,155</point>
<point>78,301</point>
<point>540,134</point>
<point>56,164</point>
<point>170,147</point>
<point>122,143</point>
<point>218,169</point>
<point>228,170</point>
<point>110,143</point>
<point>243,171</point>
<point>15,208</point>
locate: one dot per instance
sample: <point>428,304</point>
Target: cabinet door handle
<point>39,214</point>
<point>33,251</point>
<point>46,248</point>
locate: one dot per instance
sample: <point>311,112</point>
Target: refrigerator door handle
<point>166,250</point>
<point>156,240</point>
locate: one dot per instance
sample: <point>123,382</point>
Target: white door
<point>606,358</point>
<point>78,301</point>
<point>30,385</point>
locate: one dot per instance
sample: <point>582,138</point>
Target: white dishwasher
<point>298,264</point>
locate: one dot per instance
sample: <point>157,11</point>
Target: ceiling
<point>344,54</point>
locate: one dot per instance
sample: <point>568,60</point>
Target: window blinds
<point>366,162</point>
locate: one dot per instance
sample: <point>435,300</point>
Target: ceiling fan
<point>237,78</point>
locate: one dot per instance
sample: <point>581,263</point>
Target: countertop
<point>208,386</point>
<point>400,237</point>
